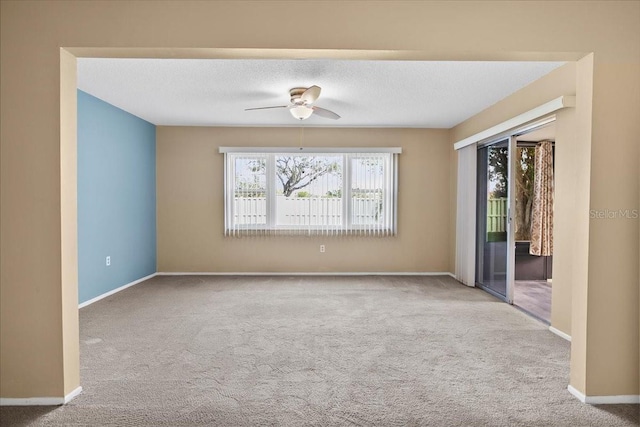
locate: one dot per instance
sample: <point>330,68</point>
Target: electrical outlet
<point>108,261</point>
<point>322,248</point>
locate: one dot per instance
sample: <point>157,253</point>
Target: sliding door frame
<point>510,242</point>
<point>512,137</point>
<point>511,231</point>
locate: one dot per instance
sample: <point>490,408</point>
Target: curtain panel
<point>542,211</point>
<point>466,216</point>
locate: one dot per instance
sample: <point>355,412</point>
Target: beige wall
<point>613,247</point>
<point>559,82</point>
<point>69,220</point>
<point>588,268</point>
<point>565,228</point>
<point>34,292</point>
<point>191,211</point>
<point>580,220</point>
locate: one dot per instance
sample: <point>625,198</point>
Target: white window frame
<point>347,226</point>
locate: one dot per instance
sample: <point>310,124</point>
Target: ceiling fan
<point>301,100</point>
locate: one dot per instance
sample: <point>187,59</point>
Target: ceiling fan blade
<point>323,112</point>
<point>311,94</point>
<point>266,108</point>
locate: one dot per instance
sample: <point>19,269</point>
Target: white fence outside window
<point>497,215</point>
<point>302,211</point>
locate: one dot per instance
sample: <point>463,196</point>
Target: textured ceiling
<point>206,92</point>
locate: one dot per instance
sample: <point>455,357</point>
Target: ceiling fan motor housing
<point>296,95</point>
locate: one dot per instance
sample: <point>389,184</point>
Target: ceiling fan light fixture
<point>301,107</point>
<point>301,112</point>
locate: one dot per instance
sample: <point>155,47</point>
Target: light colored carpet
<point>317,351</point>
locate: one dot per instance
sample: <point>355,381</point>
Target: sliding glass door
<point>494,254</point>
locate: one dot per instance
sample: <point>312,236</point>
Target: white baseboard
<point>630,399</point>
<point>40,401</point>
<point>318,273</point>
<point>559,333</point>
<point>69,397</point>
<point>121,288</point>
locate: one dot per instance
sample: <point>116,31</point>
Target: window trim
<point>310,150</point>
<point>391,165</point>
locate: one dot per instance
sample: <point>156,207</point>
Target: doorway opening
<point>533,272</point>
<point>515,218</point>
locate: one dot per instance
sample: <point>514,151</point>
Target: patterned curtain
<point>542,211</point>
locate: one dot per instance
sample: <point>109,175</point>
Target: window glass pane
<point>308,190</point>
<point>368,190</point>
<point>250,186</point>
<point>497,192</point>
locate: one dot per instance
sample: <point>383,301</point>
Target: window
<point>310,191</point>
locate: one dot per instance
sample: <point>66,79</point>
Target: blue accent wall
<point>116,197</point>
